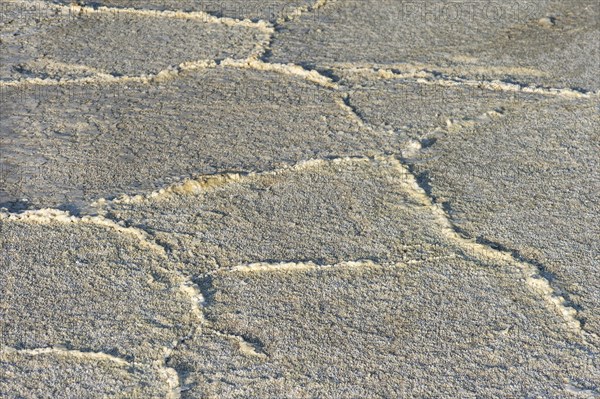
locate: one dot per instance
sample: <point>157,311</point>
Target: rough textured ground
<point>442,327</point>
<point>56,373</point>
<point>298,199</point>
<point>268,10</point>
<point>50,41</point>
<point>547,42</point>
<point>223,118</point>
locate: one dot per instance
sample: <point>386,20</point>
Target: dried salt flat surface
<point>516,170</point>
<point>321,211</point>
<point>265,10</point>
<point>45,41</point>
<point>56,373</point>
<point>331,328</point>
<point>329,228</point>
<point>420,110</point>
<point>545,43</point>
<point>440,328</point>
<point>65,144</point>
<point>88,284</point>
<point>529,182</point>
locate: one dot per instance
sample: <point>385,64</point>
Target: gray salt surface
<point>268,10</point>
<point>509,40</point>
<point>407,209</point>
<point>74,143</point>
